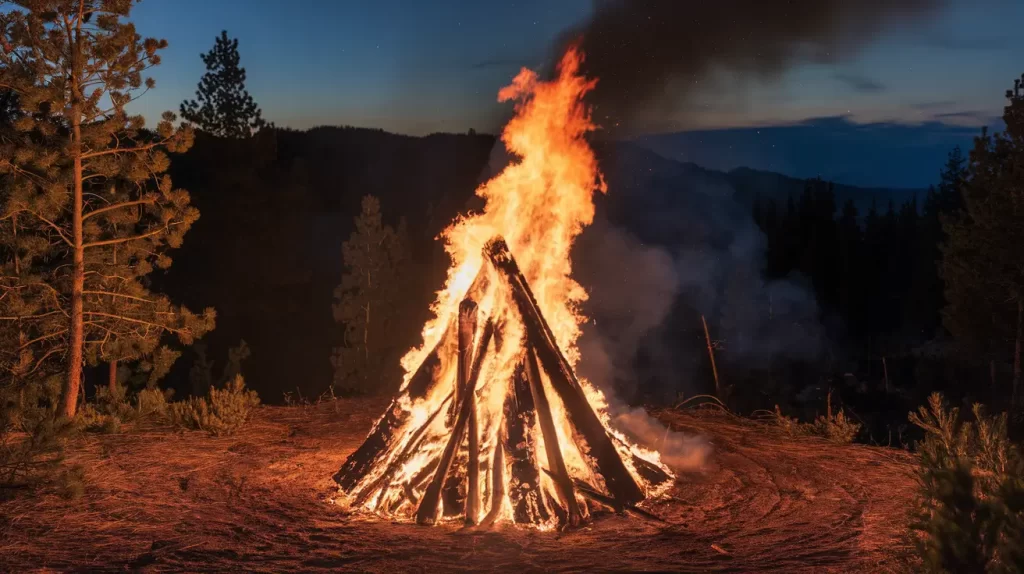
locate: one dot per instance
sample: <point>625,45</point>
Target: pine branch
<point>122,295</point>
<point>118,240</point>
<point>114,151</point>
<point>55,227</point>
<point>43,338</point>
<point>118,206</point>
<point>132,320</point>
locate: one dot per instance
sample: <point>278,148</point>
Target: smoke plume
<point>649,52</point>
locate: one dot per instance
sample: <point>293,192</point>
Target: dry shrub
<point>221,412</point>
<point>837,428</point>
<point>970,514</point>
<point>31,439</point>
<point>152,403</point>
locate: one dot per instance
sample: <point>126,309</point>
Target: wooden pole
<point>885,374</point>
<point>427,511</point>
<point>559,473</point>
<point>711,355</point>
<point>619,481</point>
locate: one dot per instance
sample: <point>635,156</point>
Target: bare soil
<point>262,501</point>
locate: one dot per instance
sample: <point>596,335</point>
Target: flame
<point>539,203</point>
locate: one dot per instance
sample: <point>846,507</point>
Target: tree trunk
<point>112,381</point>
<point>1015,397</point>
<point>69,394</point>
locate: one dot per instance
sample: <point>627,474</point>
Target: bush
<point>31,439</point>
<point>970,514</point>
<point>836,428</point>
<point>221,412</point>
<point>151,402</point>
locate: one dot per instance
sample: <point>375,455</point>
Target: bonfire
<point>492,423</point>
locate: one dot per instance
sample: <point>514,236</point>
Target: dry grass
<point>262,501</point>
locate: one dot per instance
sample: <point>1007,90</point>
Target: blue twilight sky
<point>420,66</point>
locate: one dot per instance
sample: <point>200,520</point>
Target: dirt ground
<point>262,501</point>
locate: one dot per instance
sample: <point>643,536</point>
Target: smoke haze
<point>656,52</point>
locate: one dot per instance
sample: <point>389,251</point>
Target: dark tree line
<point>877,271</point>
<point>929,294</point>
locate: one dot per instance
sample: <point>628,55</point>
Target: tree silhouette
<point>982,267</point>
<point>222,106</point>
<point>87,211</point>
<point>368,304</point>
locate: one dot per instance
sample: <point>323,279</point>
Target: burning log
<point>410,448</point>
<point>618,479</point>
<point>409,488</point>
<point>467,327</point>
<point>359,463</point>
<point>497,486</point>
<point>427,511</point>
<point>603,499</point>
<point>560,476</point>
<point>525,493</point>
<point>466,330</point>
<point>650,472</point>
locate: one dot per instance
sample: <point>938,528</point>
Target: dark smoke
<point>648,52</point>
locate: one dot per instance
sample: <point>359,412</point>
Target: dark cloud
<point>861,84</point>
<point>649,52</point>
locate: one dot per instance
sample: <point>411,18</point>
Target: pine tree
<point>982,265</point>
<point>222,106</point>
<point>367,303</point>
<point>87,211</point>
<point>850,239</point>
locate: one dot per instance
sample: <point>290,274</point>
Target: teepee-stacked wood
<point>452,477</point>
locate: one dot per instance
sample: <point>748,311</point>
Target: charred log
<point>497,485</point>
<point>384,480</point>
<point>618,479</point>
<point>528,505</point>
<point>560,474</point>
<point>409,489</point>
<point>427,511</point>
<point>473,468</point>
<point>359,463</point>
<point>650,472</point>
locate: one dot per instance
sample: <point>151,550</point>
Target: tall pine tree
<point>223,107</point>
<point>368,304</point>
<point>982,266</point>
<point>87,211</point>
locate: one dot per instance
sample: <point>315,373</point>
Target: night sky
<point>418,67</point>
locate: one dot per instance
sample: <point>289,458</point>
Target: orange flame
<point>539,203</point>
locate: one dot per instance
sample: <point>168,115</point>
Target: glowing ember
<point>491,423</point>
